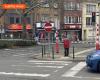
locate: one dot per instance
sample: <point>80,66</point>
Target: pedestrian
<point>66,44</point>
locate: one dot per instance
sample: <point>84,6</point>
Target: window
<point>12,20</point>
<point>28,20</point>
<point>55,5</point>
<point>44,17</point>
<point>8,1</point>
<point>69,19</point>
<point>71,6</point>
<point>46,5</point>
<point>90,8</point>
<point>72,19</point>
<point>88,21</point>
<point>1,1</point>
<point>76,19</point>
<point>17,20</point>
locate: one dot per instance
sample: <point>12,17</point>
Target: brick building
<point>72,17</point>
<point>72,23</point>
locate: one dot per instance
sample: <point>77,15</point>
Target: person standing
<point>66,44</point>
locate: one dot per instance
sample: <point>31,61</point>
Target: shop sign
<point>13,6</point>
<point>72,26</point>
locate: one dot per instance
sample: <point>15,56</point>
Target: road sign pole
<point>49,43</point>
<point>48,28</point>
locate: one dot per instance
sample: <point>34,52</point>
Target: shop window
<point>12,20</point>
<point>17,20</point>
<point>28,20</point>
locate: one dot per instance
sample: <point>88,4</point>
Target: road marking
<point>83,77</point>
<point>25,54</point>
<point>84,51</point>
<point>15,55</point>
<point>24,74</point>
<point>7,49</point>
<point>38,66</point>
<point>54,63</point>
<point>32,61</point>
<point>74,70</point>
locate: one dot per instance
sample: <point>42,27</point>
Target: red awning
<point>18,27</point>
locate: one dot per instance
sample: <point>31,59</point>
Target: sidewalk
<point>60,56</point>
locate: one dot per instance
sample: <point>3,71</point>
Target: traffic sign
<point>48,27</point>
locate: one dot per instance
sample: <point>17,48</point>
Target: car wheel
<point>98,67</point>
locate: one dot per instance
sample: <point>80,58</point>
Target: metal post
<point>52,52</point>
<point>73,53</point>
<point>49,42</point>
<point>42,51</point>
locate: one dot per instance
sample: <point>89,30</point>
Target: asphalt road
<point>18,64</point>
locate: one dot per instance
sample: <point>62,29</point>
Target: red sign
<point>13,6</point>
<point>72,26</point>
<point>48,27</point>
<point>18,27</point>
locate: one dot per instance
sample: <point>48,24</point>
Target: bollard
<point>73,53</point>
<point>52,52</point>
<point>42,51</point>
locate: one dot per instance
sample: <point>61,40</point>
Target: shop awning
<point>18,27</point>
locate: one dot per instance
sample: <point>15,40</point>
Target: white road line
<point>38,66</point>
<point>24,74</point>
<point>81,52</point>
<point>54,63</point>
<point>33,61</point>
<point>74,70</point>
<point>83,77</point>
<point>15,55</point>
<point>27,54</point>
<point>7,49</point>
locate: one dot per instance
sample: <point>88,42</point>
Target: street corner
<point>48,56</point>
<point>59,57</point>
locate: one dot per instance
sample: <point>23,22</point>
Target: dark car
<point>93,60</point>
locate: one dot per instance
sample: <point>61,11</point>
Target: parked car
<point>93,60</point>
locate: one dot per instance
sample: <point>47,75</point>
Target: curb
<point>62,58</point>
<point>70,58</point>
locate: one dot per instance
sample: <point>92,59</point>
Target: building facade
<point>89,28</point>
<point>71,17</point>
<point>77,19</point>
<point>72,25</point>
<point>44,14</point>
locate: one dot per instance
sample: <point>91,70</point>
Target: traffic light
<point>93,17</point>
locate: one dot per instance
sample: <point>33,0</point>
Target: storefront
<point>15,30</point>
<point>72,31</point>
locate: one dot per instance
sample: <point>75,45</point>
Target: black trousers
<point>66,52</point>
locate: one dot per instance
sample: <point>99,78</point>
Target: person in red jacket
<point>66,46</point>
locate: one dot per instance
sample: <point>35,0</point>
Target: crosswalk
<point>46,69</point>
<point>36,68</point>
<point>74,70</point>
